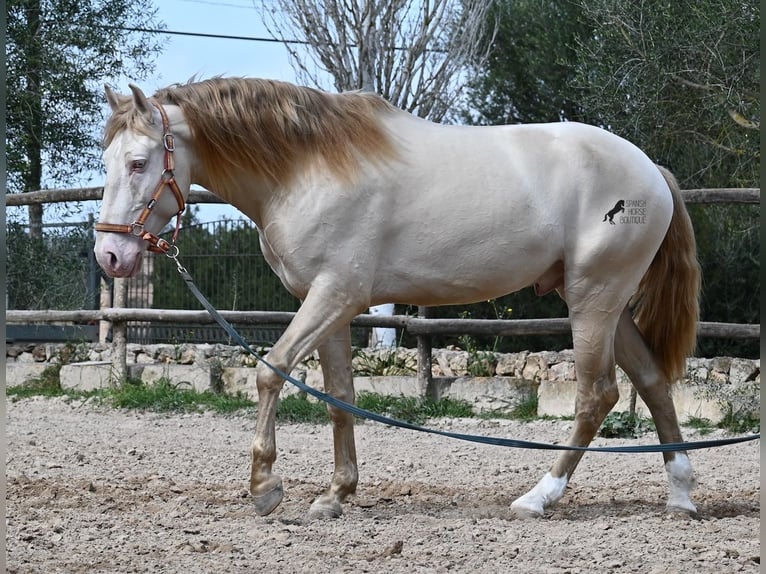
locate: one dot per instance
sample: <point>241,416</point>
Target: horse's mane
<point>268,127</point>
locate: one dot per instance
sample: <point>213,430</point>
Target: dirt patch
<point>103,491</point>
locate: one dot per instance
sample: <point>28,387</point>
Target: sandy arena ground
<point>96,490</point>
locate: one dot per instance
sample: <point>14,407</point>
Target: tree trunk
<point>34,129</point>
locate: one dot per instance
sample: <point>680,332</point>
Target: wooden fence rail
<point>415,325</point>
<point>422,327</point>
<point>747,195</point>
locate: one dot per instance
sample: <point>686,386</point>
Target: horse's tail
<point>667,301</point>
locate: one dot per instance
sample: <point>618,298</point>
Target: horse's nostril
<point>112,259</point>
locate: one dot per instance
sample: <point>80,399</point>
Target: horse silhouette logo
<point>619,206</point>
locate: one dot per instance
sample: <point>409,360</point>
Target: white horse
<point>359,204</point>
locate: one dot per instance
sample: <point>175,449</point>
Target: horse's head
<point>147,179</point>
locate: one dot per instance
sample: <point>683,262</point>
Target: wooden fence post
<point>425,376</point>
<point>105,300</point>
<point>120,334</point>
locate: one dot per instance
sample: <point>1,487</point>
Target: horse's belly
<point>473,273</point>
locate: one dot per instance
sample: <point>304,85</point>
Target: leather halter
<point>156,243</point>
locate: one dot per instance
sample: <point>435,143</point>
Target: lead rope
<point>496,441</point>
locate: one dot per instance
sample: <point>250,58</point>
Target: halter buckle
<point>169,142</point>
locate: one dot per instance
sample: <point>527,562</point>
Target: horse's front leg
<point>321,314</point>
<point>265,486</point>
<point>335,358</point>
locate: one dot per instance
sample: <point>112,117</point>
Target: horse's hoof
<point>323,510</point>
<point>681,511</point>
<point>524,513</point>
<point>266,503</point>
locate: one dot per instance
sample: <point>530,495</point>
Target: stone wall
<point>491,381</point>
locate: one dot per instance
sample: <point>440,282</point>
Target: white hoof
<point>523,508</point>
<point>545,493</point>
<point>681,481</point>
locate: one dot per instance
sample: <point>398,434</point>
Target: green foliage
<point>47,384</point>
<point>299,409</point>
<point>411,409</point>
<point>59,52</point>
<point>728,240</point>
<point>52,272</point>
<point>526,410</point>
<point>741,421</point>
<point>679,79</point>
<point>480,363</point>
<point>383,363</point>
<point>531,65</point>
<point>740,403</point>
<point>625,425</point>
<point>703,425</point>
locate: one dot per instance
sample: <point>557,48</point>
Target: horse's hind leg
<point>593,338</point>
<point>335,358</point>
<point>639,363</point>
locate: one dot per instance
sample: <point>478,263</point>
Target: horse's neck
<point>248,196</point>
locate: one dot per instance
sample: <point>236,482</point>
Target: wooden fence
<point>421,326</point>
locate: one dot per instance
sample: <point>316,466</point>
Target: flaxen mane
<point>268,127</point>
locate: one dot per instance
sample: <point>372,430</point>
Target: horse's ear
<point>112,98</point>
<point>142,103</point>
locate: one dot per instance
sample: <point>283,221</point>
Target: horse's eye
<point>137,164</point>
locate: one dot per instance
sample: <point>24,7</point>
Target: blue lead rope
<point>497,441</point>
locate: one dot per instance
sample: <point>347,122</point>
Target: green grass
<point>526,410</point>
<point>299,409</point>
<point>48,383</point>
<point>164,396</point>
<point>45,385</point>
<point>413,410</point>
<point>741,422</point>
<point>701,424</point>
<point>625,425</point>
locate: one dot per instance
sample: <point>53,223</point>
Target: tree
<point>679,79</point>
<point>531,64</point>
<point>59,53</point>
<point>415,54</point>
